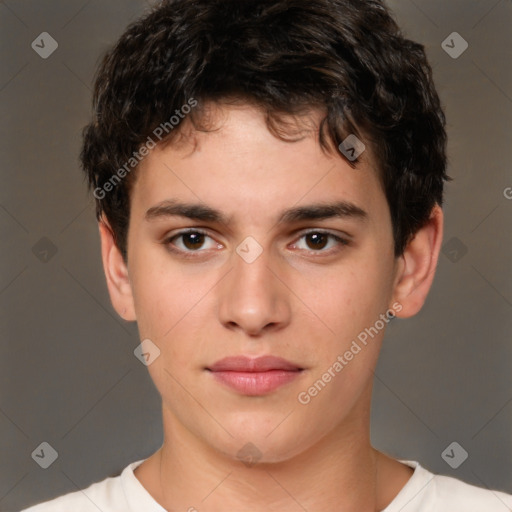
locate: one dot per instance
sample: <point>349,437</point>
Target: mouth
<point>254,376</point>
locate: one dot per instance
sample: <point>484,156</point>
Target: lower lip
<point>256,383</point>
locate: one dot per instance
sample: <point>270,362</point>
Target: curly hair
<point>347,58</point>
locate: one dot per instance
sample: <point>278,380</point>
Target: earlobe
<point>116,273</point>
<point>417,265</point>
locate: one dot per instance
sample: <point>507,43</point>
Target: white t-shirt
<point>424,492</point>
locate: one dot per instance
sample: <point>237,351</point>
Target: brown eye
<point>190,242</point>
<point>320,242</point>
<point>193,240</point>
<point>317,241</point>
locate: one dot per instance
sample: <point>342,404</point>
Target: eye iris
<point>193,240</point>
<point>319,240</point>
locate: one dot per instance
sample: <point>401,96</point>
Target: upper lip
<point>248,364</point>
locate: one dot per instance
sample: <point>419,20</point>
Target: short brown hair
<point>347,57</point>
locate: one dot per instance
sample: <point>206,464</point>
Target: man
<point>268,179</point>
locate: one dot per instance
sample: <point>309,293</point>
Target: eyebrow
<point>200,212</point>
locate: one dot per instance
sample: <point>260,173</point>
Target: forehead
<point>239,166</point>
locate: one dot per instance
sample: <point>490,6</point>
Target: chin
<point>256,446</point>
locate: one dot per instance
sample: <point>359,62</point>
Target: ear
<point>416,267</point>
<point>116,273</point>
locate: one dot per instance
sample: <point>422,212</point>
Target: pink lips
<point>254,376</point>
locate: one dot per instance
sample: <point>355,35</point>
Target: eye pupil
<point>319,240</point>
<point>196,240</point>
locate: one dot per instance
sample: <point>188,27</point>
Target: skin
<point>295,301</point>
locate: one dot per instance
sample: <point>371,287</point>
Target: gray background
<point>68,375</point>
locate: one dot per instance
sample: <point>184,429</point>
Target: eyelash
<point>193,254</point>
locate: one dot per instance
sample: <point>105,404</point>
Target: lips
<point>258,364</point>
<point>254,376</point>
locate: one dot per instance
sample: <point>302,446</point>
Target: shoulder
<point>426,491</point>
<point>456,496</point>
<point>102,496</point>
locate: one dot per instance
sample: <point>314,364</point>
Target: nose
<point>253,297</point>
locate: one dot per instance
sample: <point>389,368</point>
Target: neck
<point>316,479</point>
<point>340,472</point>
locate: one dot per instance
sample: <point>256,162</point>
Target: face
<point>259,268</point>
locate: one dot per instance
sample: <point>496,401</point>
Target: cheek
<point>348,298</point>
<point>164,295</point>
<point>349,302</point>
<point>171,305</point>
